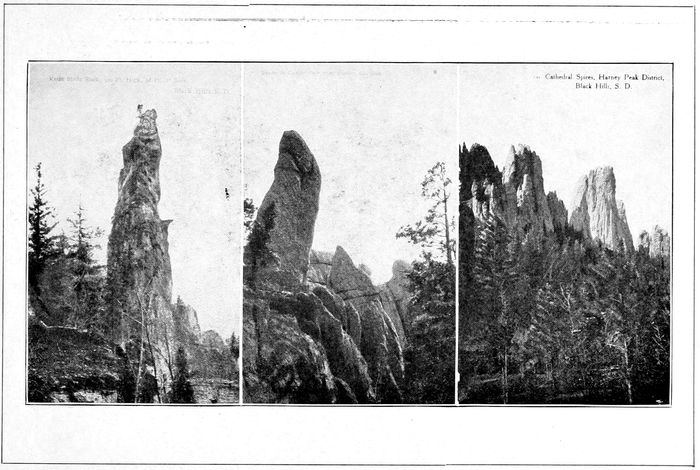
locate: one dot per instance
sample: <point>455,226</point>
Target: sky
<point>375,130</point>
<point>81,115</point>
<point>576,130</point>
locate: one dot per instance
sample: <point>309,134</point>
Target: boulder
<point>282,363</point>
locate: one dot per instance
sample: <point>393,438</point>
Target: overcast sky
<point>375,131</point>
<point>77,127</point>
<point>576,130</point>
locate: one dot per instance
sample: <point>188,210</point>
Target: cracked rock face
<point>658,243</point>
<point>597,214</point>
<point>396,298</point>
<point>526,202</point>
<point>380,344</point>
<point>138,263</point>
<point>295,194</point>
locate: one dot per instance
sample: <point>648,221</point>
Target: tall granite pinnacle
<point>597,214</point>
<point>138,263</point>
<point>295,194</point>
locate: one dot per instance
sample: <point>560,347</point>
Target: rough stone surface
<point>481,185</point>
<point>527,209</point>
<point>320,263</point>
<point>380,344</point>
<point>282,363</point>
<point>210,339</point>
<point>657,244</point>
<point>595,210</point>
<point>395,299</point>
<point>295,194</point>
<point>138,263</point>
<point>70,365</point>
<point>560,216</point>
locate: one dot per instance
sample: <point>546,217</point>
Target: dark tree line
<point>554,320</point>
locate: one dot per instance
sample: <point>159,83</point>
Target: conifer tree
<point>41,223</point>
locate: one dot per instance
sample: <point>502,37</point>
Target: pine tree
<point>182,391</point>
<point>434,232</point>
<point>87,280</point>
<point>41,243</point>
<point>258,252</point>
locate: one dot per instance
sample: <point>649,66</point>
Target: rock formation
<point>527,207</point>
<point>139,275</point>
<point>295,194</point>
<point>658,244</point>
<point>481,186</point>
<point>379,344</point>
<point>596,213</point>
<point>396,299</point>
<point>316,330</point>
<point>320,263</point>
<point>560,216</point>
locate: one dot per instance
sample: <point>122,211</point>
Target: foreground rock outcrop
<point>380,343</point>
<point>294,194</point>
<point>315,327</point>
<point>138,263</point>
<point>71,365</point>
<point>597,214</point>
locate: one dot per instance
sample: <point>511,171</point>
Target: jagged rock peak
<point>560,215</point>
<point>595,212</point>
<point>320,263</point>
<point>481,186</point>
<point>527,208</point>
<point>657,244</point>
<point>295,195</point>
<point>396,299</point>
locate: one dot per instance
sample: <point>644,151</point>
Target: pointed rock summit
<point>526,202</point>
<point>596,212</point>
<point>295,195</point>
<point>138,263</point>
<point>379,343</point>
<point>658,244</point>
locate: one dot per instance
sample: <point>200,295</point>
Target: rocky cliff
<point>596,212</point>
<point>396,299</point>
<point>658,244</point>
<point>527,206</point>
<point>294,194</point>
<point>138,263</point>
<point>315,330</point>
<point>380,344</point>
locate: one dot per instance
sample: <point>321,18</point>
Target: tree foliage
<point>258,253</point>
<point>41,223</point>
<point>433,233</point>
<point>430,352</point>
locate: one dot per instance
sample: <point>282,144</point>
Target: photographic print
<point>350,212</point>
<point>565,234</point>
<point>133,239</point>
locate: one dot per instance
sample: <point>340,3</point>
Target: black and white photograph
<point>132,233</point>
<point>350,221</point>
<point>565,234</point>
